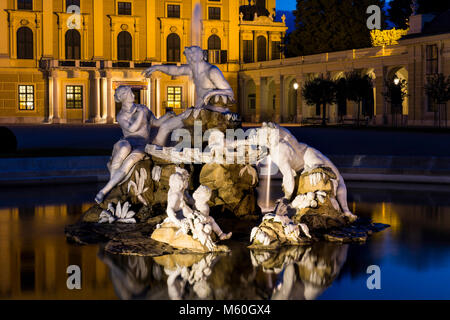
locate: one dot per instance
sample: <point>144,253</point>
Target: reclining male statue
<point>136,121</point>
<point>212,90</point>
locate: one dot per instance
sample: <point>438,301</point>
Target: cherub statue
<point>201,197</point>
<point>178,211</point>
<point>135,121</point>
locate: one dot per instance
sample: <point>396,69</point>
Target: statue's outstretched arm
<point>171,70</point>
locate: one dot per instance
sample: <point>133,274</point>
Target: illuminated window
<point>214,13</point>
<point>124,8</point>
<point>74,97</point>
<point>25,4</point>
<point>26,97</point>
<point>24,43</point>
<point>174,97</point>
<point>248,51</point>
<point>173,11</point>
<point>432,59</point>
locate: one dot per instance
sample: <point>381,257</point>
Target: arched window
<point>214,49</point>
<point>124,44</point>
<point>73,44</point>
<point>262,51</point>
<point>173,48</point>
<point>214,42</point>
<point>24,43</point>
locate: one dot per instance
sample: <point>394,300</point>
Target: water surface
<point>413,254</point>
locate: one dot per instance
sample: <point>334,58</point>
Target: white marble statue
<point>196,221</point>
<point>201,197</point>
<point>135,121</point>
<point>293,157</point>
<point>178,211</point>
<point>210,88</point>
<point>208,79</point>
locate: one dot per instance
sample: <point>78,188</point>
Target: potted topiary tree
<point>395,93</point>
<point>437,89</point>
<point>320,92</point>
<point>358,89</point>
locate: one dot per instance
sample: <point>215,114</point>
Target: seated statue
<point>201,197</point>
<point>135,121</point>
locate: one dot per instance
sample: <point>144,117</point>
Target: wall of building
<point>407,61</point>
<point>98,70</point>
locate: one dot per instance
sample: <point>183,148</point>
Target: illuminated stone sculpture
<point>187,228</point>
<point>135,121</point>
<point>293,158</point>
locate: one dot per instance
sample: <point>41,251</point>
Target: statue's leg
<point>121,150</point>
<point>166,129</point>
<point>341,196</point>
<point>120,173</point>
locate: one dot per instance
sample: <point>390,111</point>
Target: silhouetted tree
<point>438,90</point>
<point>358,88</point>
<point>320,91</point>
<point>330,25</point>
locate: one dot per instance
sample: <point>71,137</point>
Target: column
<point>110,104</point>
<point>151,29</point>
<point>4,26</point>
<point>279,99</point>
<point>233,32</point>
<point>104,98</point>
<point>380,102</point>
<point>94,84</point>
<point>97,8</point>
<point>257,116</point>
<point>300,81</point>
<point>47,28</point>
<point>56,97</point>
<point>50,99</point>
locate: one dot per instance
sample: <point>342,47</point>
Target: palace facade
<point>61,60</point>
<point>271,90</point>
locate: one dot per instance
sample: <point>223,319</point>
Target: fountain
<point>149,207</point>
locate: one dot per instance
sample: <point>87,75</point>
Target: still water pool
<point>413,254</point>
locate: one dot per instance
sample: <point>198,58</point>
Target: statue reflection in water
<point>299,272</point>
<point>294,273</point>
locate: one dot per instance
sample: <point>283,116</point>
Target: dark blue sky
<point>290,4</point>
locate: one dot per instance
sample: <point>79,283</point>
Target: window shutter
<point>223,56</point>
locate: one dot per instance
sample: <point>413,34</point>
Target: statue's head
<point>202,194</point>
<point>124,94</point>
<point>193,54</point>
<point>176,182</point>
<point>185,175</point>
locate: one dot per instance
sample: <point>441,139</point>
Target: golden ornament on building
<point>381,38</point>
<point>124,27</point>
